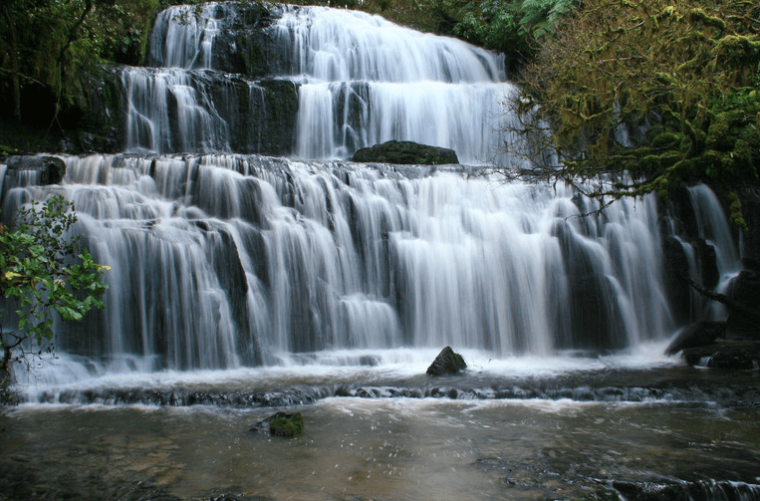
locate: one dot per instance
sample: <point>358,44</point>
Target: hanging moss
<point>679,76</point>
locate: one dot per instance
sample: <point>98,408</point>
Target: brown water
<point>386,449</point>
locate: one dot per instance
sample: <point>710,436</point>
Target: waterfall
<point>361,81</point>
<point>222,258</point>
<point>368,81</point>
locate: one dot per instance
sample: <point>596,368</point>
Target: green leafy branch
<point>46,271</point>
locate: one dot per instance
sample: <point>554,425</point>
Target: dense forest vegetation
<point>663,89</point>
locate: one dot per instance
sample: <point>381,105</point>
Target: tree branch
<point>732,304</point>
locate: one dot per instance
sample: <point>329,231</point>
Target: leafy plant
<point>45,270</point>
<point>512,27</point>
<point>77,35</point>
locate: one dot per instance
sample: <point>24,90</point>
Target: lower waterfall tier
<point>227,260</point>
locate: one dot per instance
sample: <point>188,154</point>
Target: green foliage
<point>509,27</point>
<point>48,43</point>
<point>45,271</point>
<point>681,76</point>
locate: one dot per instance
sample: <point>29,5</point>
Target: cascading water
<point>241,282</point>
<point>362,81</point>
<point>223,260</point>
<point>368,81</point>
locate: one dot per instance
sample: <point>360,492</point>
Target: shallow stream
<point>551,433</point>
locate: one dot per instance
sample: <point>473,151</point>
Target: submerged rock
<point>406,153</point>
<point>727,355</point>
<point>447,362</point>
<point>698,334</point>
<point>281,425</point>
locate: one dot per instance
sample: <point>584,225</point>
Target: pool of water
<point>365,441</point>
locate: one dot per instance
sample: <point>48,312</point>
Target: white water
<point>219,261</point>
<point>369,81</point>
<point>183,35</point>
<point>223,261</point>
<point>363,81</point>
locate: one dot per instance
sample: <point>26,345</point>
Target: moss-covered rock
<point>447,362</point>
<point>281,424</point>
<point>286,425</point>
<point>406,153</point>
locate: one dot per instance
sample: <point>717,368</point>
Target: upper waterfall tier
<point>319,42</point>
<point>359,80</point>
<point>342,45</point>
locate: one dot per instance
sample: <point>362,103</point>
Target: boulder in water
<point>281,425</point>
<point>699,334</point>
<point>406,153</point>
<point>726,355</point>
<point>447,362</point>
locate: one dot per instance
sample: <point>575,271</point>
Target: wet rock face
<point>750,200</point>
<point>745,289</point>
<point>406,153</point>
<point>595,322</point>
<point>447,362</point>
<point>47,169</point>
<point>696,335</point>
<point>676,265</point>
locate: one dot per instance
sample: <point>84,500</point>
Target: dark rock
<point>751,264</point>
<point>708,264</point>
<point>726,355</point>
<point>51,169</point>
<point>698,357</point>
<point>447,362</point>
<point>698,334</point>
<point>595,317</point>
<point>676,265</point>
<point>735,359</point>
<point>96,114</point>
<point>223,252</point>
<point>406,153</point>
<point>369,360</point>
<point>681,212</point>
<point>749,196</point>
<point>281,425</point>
<point>744,289</point>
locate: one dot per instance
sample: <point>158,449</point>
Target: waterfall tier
<point>222,260</point>
<point>358,80</point>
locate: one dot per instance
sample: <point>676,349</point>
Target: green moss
<point>459,362</point>
<point>287,425</point>
<point>250,52</point>
<point>735,208</point>
<point>666,138</point>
